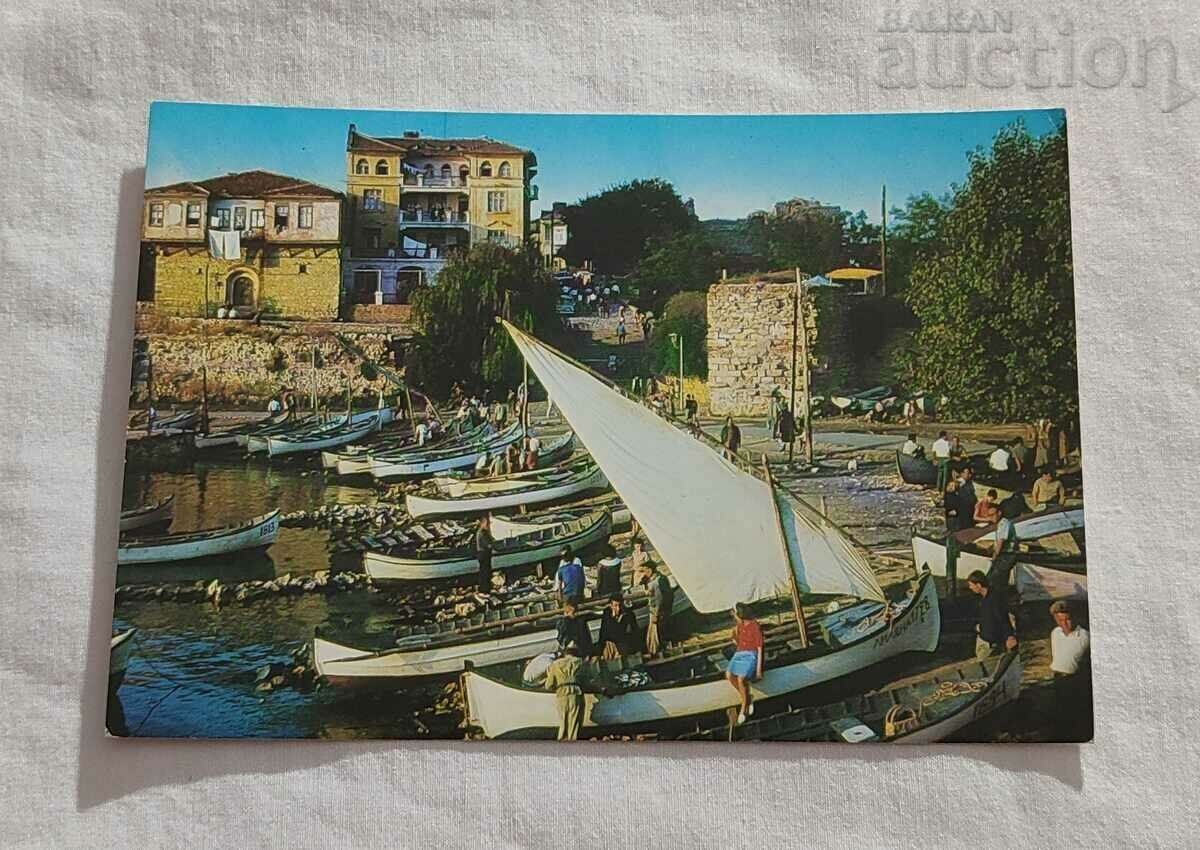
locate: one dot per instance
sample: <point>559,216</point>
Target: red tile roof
<point>429,146</point>
<point>248,184</point>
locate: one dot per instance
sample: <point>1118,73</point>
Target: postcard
<point>603,427</point>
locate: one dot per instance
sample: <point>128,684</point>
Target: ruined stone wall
<point>750,343</point>
<point>248,365</point>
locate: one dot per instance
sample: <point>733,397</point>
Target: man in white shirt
<point>998,460</point>
<point>911,447</point>
<point>941,456</point>
<point>1071,664</point>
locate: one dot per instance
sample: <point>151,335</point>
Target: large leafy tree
<point>686,261</point>
<point>611,229</point>
<point>807,237</point>
<point>914,232</point>
<point>996,301</point>
<point>458,339</point>
<point>686,315</point>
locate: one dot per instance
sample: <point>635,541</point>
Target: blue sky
<point>730,165</point>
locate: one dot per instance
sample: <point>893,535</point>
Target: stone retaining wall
<point>750,343</point>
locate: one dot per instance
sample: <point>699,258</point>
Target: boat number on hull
<point>990,701</point>
<point>915,617</point>
<point>267,529</point>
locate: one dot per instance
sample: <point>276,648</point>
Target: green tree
<point>860,241</point>
<point>458,339</point>
<point>685,261</point>
<point>611,229</point>
<point>996,302</point>
<point>685,314</point>
<point>803,235</point>
<point>914,232</point>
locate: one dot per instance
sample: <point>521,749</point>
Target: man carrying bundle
<point>563,678</point>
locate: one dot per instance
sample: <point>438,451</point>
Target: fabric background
<point>75,82</point>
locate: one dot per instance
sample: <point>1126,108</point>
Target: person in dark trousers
<point>608,573</point>
<point>573,628</point>
<point>966,497</point>
<point>731,438</point>
<point>662,597</point>
<point>484,544</point>
<point>787,427</point>
<point>619,632</point>
<point>1070,662</point>
<point>691,407</point>
<point>952,507</point>
<point>564,677</point>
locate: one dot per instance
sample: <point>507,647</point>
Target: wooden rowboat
<point>945,701</point>
<point>356,459</point>
<point>845,642</point>
<point>258,442</point>
<point>426,462</point>
<point>229,436</point>
<point>915,470</point>
<point>540,539</point>
<point>1051,557</point>
<point>118,656</point>
<point>159,513</point>
<point>447,648</point>
<point>506,491</point>
<point>328,438</point>
<point>256,533</point>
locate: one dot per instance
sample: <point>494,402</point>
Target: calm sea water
<point>193,667</point>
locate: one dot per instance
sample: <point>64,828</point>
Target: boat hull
<point>421,506</point>
<point>420,464</point>
<point>161,513</point>
<point>390,567</point>
<point>119,653</point>
<point>258,533</point>
<point>501,710</point>
<point>1004,690</point>
<point>277,446</point>
<point>916,470</point>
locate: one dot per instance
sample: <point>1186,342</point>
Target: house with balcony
<point>251,242</point>
<point>414,200</point>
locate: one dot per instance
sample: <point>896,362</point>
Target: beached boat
<point>252,534</point>
<point>229,436</point>
<point>258,441</point>
<point>118,656</point>
<point>1051,557</point>
<point>694,683</point>
<point>145,516</point>
<point>915,470</point>
<point>703,513</point>
<point>448,496</point>
<point>178,421</point>
<point>321,439</point>
<point>940,704</point>
<point>419,462</point>
<point>356,459</point>
<point>528,543</point>
<point>512,633</point>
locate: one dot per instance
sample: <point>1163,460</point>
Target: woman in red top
<point>746,664</point>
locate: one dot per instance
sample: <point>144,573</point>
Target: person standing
<point>994,633</point>
<point>1070,662</point>
<point>640,557</point>
<point>746,665</point>
<point>911,447</point>
<point>941,457</point>
<point>564,679</point>
<point>620,331</point>
<point>773,412</point>
<point>484,544</point>
<point>662,595</point>
<point>966,497</point>
<point>573,629</point>
<point>786,427</point>
<point>568,580</point>
<point>619,632</point>
<point>608,574</point>
<point>952,507</point>
<point>691,408</point>
<point>731,438</point>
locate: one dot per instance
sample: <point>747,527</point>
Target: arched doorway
<point>241,292</point>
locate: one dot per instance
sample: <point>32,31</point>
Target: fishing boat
<point>1051,563</point>
<point>420,462</point>
<point>512,633</point>
<point>517,544</point>
<point>315,441</point>
<point>177,421</point>
<point>704,514</point>
<point>146,516</point>
<point>118,656</point>
<point>258,441</point>
<point>356,459</point>
<point>915,470</point>
<point>450,496</point>
<point>256,533</point>
<point>229,436</point>
<point>931,707</point>
<point>863,401</point>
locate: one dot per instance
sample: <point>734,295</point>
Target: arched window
<point>505,170</point>
<point>462,174</point>
<point>361,167</point>
<point>429,169</point>
<point>446,171</point>
<point>485,169</point>
<point>381,167</point>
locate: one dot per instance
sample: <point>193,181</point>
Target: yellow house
<point>250,242</point>
<point>413,200</point>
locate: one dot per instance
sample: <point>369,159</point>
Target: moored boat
<point>229,436</point>
<point>915,470</point>
<point>507,491</point>
<point>258,441</point>
<point>259,532</point>
<point>145,516</point>
<point>528,543</point>
<point>695,684</point>
<point>934,706</point>
<point>323,439</point>
<point>514,633</point>
<point>430,462</point>
<point>119,652</point>
<point>1051,557</point>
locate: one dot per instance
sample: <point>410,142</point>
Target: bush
<point>686,314</point>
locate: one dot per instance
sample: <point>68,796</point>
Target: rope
<point>946,690</point>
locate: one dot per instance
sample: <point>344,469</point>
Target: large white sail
<point>712,523</point>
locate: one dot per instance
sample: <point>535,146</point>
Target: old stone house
<point>254,241</point>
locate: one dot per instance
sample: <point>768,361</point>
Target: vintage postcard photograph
<point>603,427</point>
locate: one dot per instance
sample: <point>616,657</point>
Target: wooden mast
<point>801,625</point>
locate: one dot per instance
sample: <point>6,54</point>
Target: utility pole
<point>883,240</point>
<point>204,355</point>
<point>806,379</point>
<point>795,333</point>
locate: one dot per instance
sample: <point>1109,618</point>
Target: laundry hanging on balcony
<point>225,244</point>
<point>410,169</point>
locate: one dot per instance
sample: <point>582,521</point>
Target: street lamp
<point>677,341</point>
